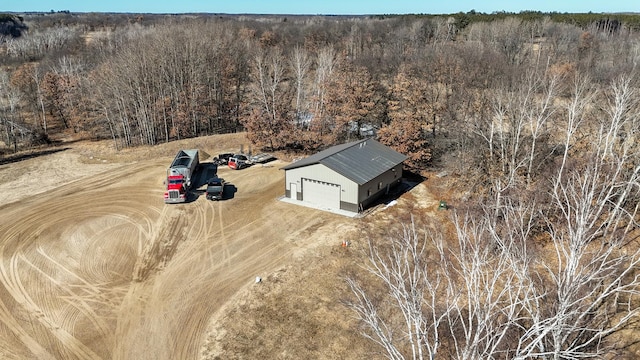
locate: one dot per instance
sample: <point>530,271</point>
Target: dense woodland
<point>300,83</point>
<point>536,116</point>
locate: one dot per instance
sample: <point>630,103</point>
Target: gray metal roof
<point>360,161</point>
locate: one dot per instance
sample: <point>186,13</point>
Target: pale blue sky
<point>315,7</point>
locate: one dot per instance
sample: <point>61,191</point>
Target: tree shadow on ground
<point>30,155</point>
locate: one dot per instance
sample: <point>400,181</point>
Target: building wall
<point>379,186</point>
<point>349,189</point>
<point>353,197</point>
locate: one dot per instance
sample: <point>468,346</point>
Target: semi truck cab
<point>179,175</point>
<point>176,189</point>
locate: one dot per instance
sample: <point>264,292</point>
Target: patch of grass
<point>296,313</point>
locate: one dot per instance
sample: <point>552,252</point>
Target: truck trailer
<point>179,174</point>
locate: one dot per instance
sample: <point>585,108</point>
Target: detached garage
<point>345,177</point>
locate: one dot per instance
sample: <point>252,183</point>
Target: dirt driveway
<point>93,264</point>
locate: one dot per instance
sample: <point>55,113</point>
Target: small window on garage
<point>369,192</point>
<point>380,185</point>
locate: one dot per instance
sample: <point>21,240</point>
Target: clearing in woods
<point>94,265</point>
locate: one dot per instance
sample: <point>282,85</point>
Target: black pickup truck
<point>215,189</point>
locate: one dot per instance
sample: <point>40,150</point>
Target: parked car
<point>215,189</point>
<point>239,161</point>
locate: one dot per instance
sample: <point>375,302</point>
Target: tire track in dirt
<point>66,286</point>
<point>178,301</point>
<point>19,259</point>
<point>210,230</point>
<point>17,239</point>
<point>205,286</point>
<point>226,255</point>
<point>94,293</point>
<point>10,278</point>
<point>162,246</point>
<point>33,347</point>
<point>213,240</point>
<point>180,286</point>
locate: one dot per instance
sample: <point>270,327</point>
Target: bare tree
<point>592,278</point>
<point>62,94</point>
<point>516,137</point>
<point>270,121</point>
<point>410,325</point>
<point>301,64</point>
<point>490,264</point>
<point>9,112</point>
<point>462,299</point>
<point>509,36</point>
<point>524,278</point>
<point>325,64</point>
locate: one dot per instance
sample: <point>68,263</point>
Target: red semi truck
<point>179,176</point>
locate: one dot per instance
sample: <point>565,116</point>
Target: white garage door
<point>321,193</point>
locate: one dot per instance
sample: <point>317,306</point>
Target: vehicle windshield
<point>175,181</point>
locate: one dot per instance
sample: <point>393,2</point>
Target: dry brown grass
<point>209,146</point>
<point>294,313</point>
<point>299,312</point>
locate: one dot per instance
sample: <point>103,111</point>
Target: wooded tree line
<point>293,83</point>
<point>541,258</point>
